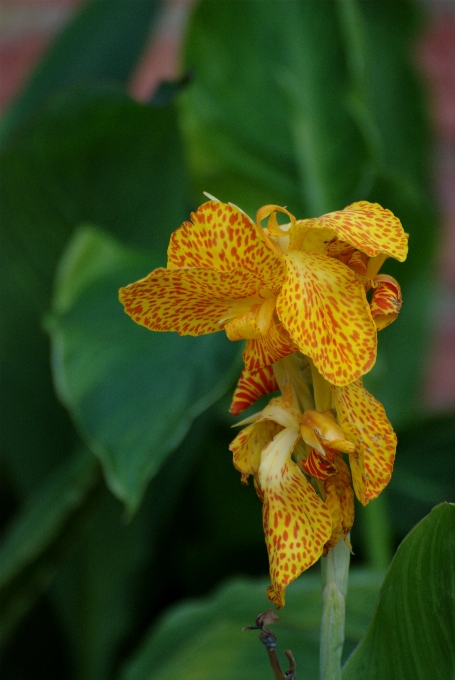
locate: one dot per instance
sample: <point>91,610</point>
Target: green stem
<point>335,572</point>
<point>376,533</point>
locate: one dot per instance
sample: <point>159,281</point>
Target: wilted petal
<point>324,308</point>
<point>386,300</point>
<point>297,522</point>
<point>340,501</point>
<point>222,237</point>
<point>251,387</point>
<point>364,421</point>
<point>366,226</point>
<point>188,301</point>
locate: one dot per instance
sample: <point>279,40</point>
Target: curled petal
<point>366,226</point>
<point>297,522</point>
<point>317,467</point>
<point>268,349</point>
<point>386,300</point>
<point>365,424</point>
<point>340,501</point>
<point>222,237</point>
<point>323,307</point>
<point>188,301</point>
<point>251,387</point>
<point>248,445</point>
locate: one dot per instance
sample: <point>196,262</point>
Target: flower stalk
<point>335,572</point>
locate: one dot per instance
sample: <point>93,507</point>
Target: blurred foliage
<point>120,497</point>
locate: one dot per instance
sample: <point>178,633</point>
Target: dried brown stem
<point>268,639</point>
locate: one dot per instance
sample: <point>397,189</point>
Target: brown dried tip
<point>265,619</point>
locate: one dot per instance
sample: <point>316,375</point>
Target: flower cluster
<point>297,293</point>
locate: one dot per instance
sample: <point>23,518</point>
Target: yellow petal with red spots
<point>323,307</point>
<point>222,237</point>
<point>340,501</point>
<point>367,226</point>
<point>364,422</point>
<point>266,350</point>
<point>188,301</point>
<point>297,522</point>
<point>248,445</point>
<point>386,300</point>
<point>251,387</point>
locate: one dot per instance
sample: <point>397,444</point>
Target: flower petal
<point>386,300</point>
<point>323,307</point>
<point>188,301</point>
<point>251,387</point>
<point>364,422</point>
<point>222,237</point>
<point>265,351</point>
<point>367,226</point>
<point>297,522</point>
<point>248,446</point>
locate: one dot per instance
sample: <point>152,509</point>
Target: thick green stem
<point>335,572</point>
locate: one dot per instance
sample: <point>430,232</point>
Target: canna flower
<point>300,524</point>
<point>280,290</point>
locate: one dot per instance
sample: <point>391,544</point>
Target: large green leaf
<point>41,535</point>
<point>132,393</point>
<point>91,154</point>
<point>412,634</point>
<point>102,42</point>
<point>203,640</point>
<point>314,105</point>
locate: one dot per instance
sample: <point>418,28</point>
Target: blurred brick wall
<point>27,26</point>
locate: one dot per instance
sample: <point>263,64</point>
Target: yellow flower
<point>361,417</point>
<point>281,291</point>
<point>300,525</point>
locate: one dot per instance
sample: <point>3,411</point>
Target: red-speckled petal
<point>367,226</point>
<point>251,387</point>
<point>323,307</point>
<point>264,351</point>
<point>188,301</point>
<point>386,300</point>
<point>297,522</point>
<point>364,421</point>
<point>222,237</point>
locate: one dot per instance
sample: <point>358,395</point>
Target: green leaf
<point>413,630</point>
<point>41,535</point>
<point>102,42</point>
<point>132,393</point>
<point>203,639</point>
<point>92,154</point>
